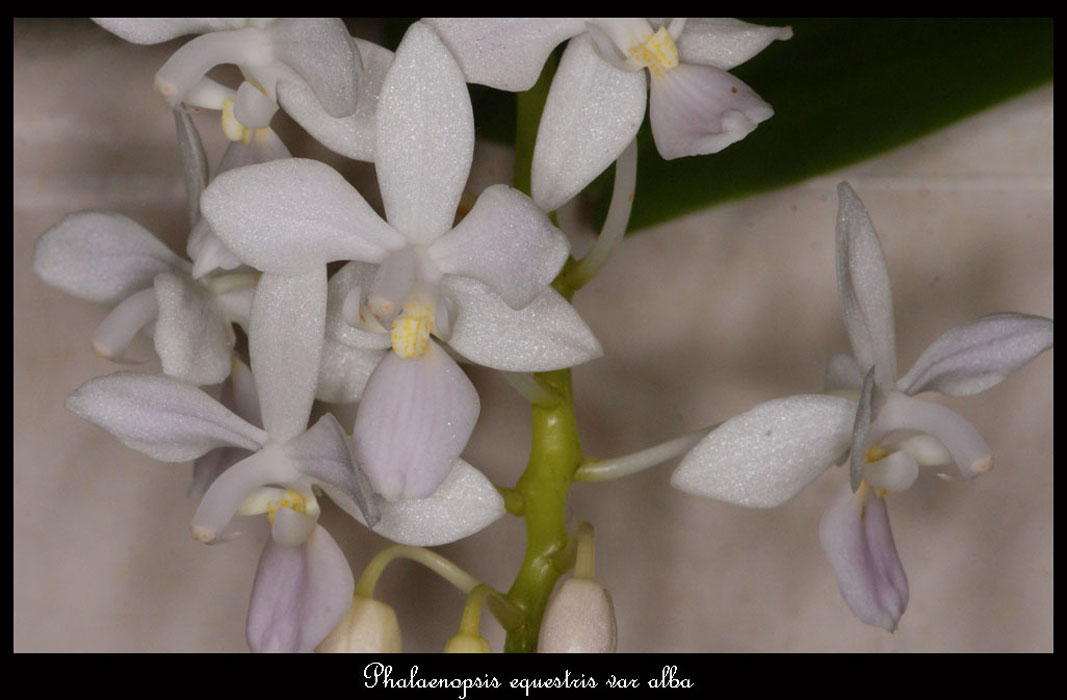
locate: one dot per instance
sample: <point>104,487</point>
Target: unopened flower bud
<point>580,618</point>
<point>467,644</point>
<point>369,626</point>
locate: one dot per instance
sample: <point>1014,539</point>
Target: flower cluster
<point>311,345</point>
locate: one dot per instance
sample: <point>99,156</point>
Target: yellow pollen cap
<point>658,53</point>
<point>411,331</point>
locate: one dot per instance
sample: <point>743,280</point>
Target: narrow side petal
<point>194,162</point>
<point>695,110</point>
<point>101,256</point>
<point>724,42</point>
<point>507,242</point>
<point>764,457</point>
<point>592,113</point>
<point>299,596</point>
<point>463,504</point>
<point>863,286</point>
<point>504,53</point>
<point>547,334</point>
<point>285,339</point>
<point>193,337</point>
<point>415,418</point>
<point>165,418</point>
<point>320,52</point>
<point>425,137</point>
<point>978,355</point>
<point>854,532</point>
<point>289,215</point>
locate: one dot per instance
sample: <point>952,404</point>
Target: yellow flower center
<point>291,500</point>
<point>411,330</point>
<point>658,52</point>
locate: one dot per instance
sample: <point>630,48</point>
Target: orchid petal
<point>320,51</point>
<point>592,113</point>
<point>854,532</point>
<point>353,135</point>
<point>725,43</point>
<point>162,417</point>
<point>863,285</point>
<point>227,495</point>
<point>345,370</point>
<point>507,242</point>
<point>425,137</point>
<point>193,338</point>
<point>101,256</point>
<point>289,215</point>
<point>463,504</point>
<point>300,595</point>
<point>323,454</point>
<point>764,457</point>
<point>194,162</point>
<point>695,110</point>
<point>547,334</point>
<point>414,419</point>
<point>504,53</point>
<point>156,30</point>
<point>284,344</point>
<point>842,374</point>
<point>978,355</point>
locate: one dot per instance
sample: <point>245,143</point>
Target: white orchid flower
<point>481,285</point>
<point>597,100</point>
<point>109,258</point>
<point>310,52</point>
<point>764,457</point>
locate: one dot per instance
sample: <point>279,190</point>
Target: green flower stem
<point>555,453</point>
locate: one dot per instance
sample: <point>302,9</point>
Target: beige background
<point>700,320</point>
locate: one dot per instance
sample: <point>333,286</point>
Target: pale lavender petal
<point>505,53</point>
<point>193,336</point>
<point>351,136</point>
<point>163,417</point>
<point>156,30</point>
<point>425,137</point>
<point>978,355</point>
<point>863,286</point>
<point>547,334</point>
<point>725,42</point>
<point>101,256</point>
<point>323,454</point>
<point>285,339</point>
<point>592,113</point>
<point>464,503</point>
<point>842,374</point>
<point>854,532</point>
<point>695,110</point>
<point>320,52</point>
<point>507,242</point>
<point>415,418</point>
<point>194,162</point>
<point>300,595</point>
<point>289,215</point>
<point>764,457</point>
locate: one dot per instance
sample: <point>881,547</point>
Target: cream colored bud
<point>579,618</point>
<point>467,644</point>
<point>369,626</point>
